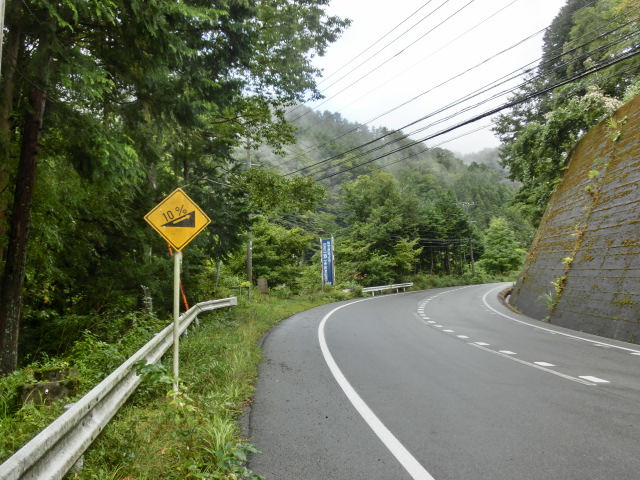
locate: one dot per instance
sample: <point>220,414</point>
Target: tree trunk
<point>13,280</point>
<point>9,63</point>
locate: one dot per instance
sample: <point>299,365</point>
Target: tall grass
<point>194,434</point>
<point>159,434</point>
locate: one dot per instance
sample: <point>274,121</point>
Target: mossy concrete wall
<point>585,258</point>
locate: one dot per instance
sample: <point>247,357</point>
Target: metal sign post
<point>178,220</point>
<point>177,264</point>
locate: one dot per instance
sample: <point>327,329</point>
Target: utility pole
<point>2,4</point>
<point>249,261</point>
<point>467,206</point>
<point>473,265</point>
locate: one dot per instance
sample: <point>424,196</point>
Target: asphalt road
<point>443,384</point>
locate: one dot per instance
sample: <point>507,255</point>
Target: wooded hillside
<point>106,107</point>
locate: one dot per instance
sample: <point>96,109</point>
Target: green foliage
<point>147,96</point>
<point>117,139</point>
<point>536,152</point>
<point>309,279</point>
<point>483,188</point>
<point>426,281</point>
<point>155,380</point>
<point>144,97</point>
<point>501,253</point>
<point>94,356</point>
<point>538,135</point>
<point>278,253</point>
<point>269,192</point>
<point>24,424</point>
<point>376,245</point>
<point>548,299</point>
<point>352,288</point>
<point>193,434</point>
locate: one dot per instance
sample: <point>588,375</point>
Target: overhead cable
<point>516,73</point>
<point>596,68</point>
<point>462,73</point>
<point>390,58</point>
<point>467,97</point>
<point>466,32</point>
<point>350,62</point>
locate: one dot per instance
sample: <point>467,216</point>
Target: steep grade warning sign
<point>177,219</point>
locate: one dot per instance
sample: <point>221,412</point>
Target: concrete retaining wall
<point>588,242</point>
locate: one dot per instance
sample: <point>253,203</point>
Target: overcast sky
<point>450,37</point>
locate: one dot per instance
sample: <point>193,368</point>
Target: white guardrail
<point>58,447</point>
<point>381,288</point>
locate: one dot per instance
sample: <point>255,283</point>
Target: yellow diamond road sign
<point>177,219</point>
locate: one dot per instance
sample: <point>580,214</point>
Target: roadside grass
<point>195,433</point>
<point>158,434</point>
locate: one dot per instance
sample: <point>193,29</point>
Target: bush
<point>426,281</point>
<point>281,291</point>
<point>353,288</point>
<point>310,279</point>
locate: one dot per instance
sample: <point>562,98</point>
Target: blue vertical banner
<point>328,276</point>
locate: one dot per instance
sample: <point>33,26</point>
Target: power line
<point>368,48</point>
<point>432,53</point>
<point>478,92</point>
<point>603,65</point>
<point>425,92</point>
<point>394,56</point>
<point>475,130</point>
<point>350,62</point>
<point>508,77</point>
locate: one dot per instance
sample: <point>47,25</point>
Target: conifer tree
<point>118,86</point>
<point>501,254</point>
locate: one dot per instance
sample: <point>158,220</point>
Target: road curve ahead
<point>443,384</point>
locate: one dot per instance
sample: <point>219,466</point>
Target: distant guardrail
<point>381,288</point>
<point>52,453</point>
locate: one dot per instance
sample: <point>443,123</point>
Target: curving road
<point>443,384</point>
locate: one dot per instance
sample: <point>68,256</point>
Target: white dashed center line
<point>594,379</point>
<point>584,379</point>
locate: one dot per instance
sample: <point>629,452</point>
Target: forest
<point>106,107</point>
<point>105,110</point>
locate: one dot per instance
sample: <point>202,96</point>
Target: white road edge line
<point>567,377</point>
<point>484,300</point>
<point>408,461</point>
